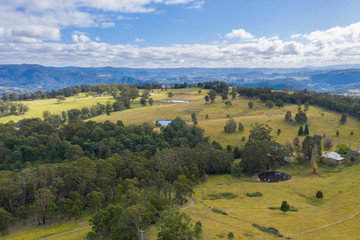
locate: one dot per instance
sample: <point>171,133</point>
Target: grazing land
<point>341,194</point>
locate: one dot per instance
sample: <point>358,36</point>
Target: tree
<point>343,118</point>
<point>269,104</point>
<point>170,94</point>
<point>286,90</point>
<point>319,194</point>
<point>224,95</point>
<point>151,101</point>
<point>284,207</point>
<point>176,225</point>
<point>212,96</point>
<point>314,158</point>
<point>143,101</point>
<point>241,127</point>
<point>306,104</point>
<point>207,98</point>
<point>306,130</point>
<point>296,142</point>
<point>288,117</point>
<point>254,157</point>
<point>278,131</point>
<point>60,98</point>
<point>207,116</point>
<point>337,133</point>
<point>228,104</point>
<point>301,131</point>
<point>230,236</point>
<point>199,91</point>
<point>43,197</point>
<point>198,230</point>
<point>108,108</point>
<point>183,188</point>
<point>308,145</point>
<point>5,219</point>
<point>194,119</point>
<point>230,126</point>
<point>279,103</point>
<point>250,104</point>
<point>301,117</point>
<point>342,148</point>
<point>328,142</point>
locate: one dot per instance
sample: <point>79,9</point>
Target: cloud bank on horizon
<point>69,32</point>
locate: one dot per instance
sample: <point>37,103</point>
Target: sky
<point>180,33</point>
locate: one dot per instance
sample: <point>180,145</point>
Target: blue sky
<point>180,33</point>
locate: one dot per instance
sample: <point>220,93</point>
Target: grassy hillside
<point>37,107</point>
<point>320,120</point>
<point>341,194</point>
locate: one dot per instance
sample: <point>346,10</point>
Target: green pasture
<point>66,230</point>
<point>37,107</point>
<point>341,197</point>
<point>320,120</point>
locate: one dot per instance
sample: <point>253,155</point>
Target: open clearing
<point>336,215</point>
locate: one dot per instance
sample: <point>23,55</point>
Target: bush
<point>319,194</point>
<point>218,211</point>
<point>255,194</point>
<point>271,230</point>
<point>228,195</point>
<point>213,196</point>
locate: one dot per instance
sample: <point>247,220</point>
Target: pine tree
<point>301,131</point>
<point>306,130</point>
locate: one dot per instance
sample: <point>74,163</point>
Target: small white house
<point>332,157</point>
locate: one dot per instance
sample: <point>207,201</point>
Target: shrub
<point>215,210</point>
<point>271,230</point>
<point>255,194</point>
<point>319,194</point>
<point>228,195</point>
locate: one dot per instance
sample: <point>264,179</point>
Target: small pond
<point>273,177</point>
<point>166,122</point>
<point>174,101</point>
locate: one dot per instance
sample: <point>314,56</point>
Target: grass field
<point>320,120</point>
<point>341,198</point>
<point>68,230</point>
<point>37,107</point>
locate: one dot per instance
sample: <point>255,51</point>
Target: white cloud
<point>78,37</point>
<point>325,47</point>
<point>239,33</point>
<point>139,40</point>
<point>37,21</point>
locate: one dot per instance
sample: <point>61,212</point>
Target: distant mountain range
<point>30,78</point>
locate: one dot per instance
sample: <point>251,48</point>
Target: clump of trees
<point>261,151</point>
<point>230,126</point>
<point>7,108</point>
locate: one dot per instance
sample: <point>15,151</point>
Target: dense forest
<point>53,172</point>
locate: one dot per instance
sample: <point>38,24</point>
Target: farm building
<point>333,158</point>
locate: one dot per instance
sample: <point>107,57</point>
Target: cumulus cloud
<point>79,37</point>
<point>325,47</point>
<point>239,33</point>
<point>37,21</point>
